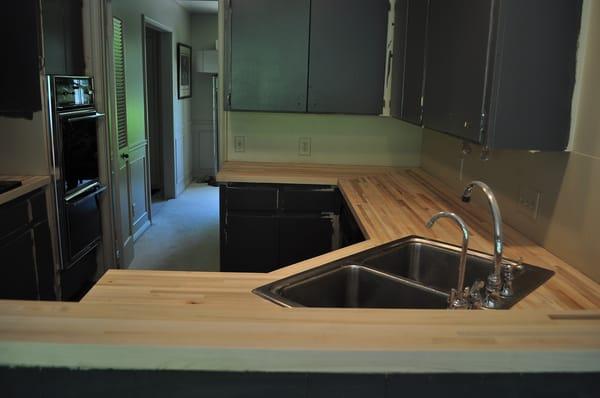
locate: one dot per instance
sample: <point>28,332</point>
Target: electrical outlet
<point>304,146</point>
<point>529,201</point>
<point>239,143</point>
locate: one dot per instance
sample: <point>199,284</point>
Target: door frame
<point>167,126</point>
<point>98,54</point>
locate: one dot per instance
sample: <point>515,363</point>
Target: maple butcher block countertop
<point>28,184</point>
<point>212,321</point>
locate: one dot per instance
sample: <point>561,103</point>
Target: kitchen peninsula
<point>212,321</point>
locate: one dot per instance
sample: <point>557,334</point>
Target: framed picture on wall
<point>184,71</point>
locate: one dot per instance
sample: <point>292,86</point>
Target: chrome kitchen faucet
<point>494,280</point>
<point>461,297</point>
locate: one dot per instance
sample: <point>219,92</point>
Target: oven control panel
<point>73,92</point>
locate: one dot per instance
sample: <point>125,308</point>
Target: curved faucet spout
<point>497,218</point>
<point>495,279</point>
<point>458,300</point>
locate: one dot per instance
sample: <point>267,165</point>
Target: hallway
<point>184,235</point>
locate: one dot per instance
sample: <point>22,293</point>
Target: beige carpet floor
<point>184,235</point>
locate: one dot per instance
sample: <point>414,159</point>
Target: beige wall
<point>569,218</point>
<point>23,146</point>
<point>204,34</point>
<point>335,139</point>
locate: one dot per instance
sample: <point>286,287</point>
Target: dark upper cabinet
<point>269,55</point>
<point>63,37</point>
<point>457,44</point>
<point>501,73</point>
<point>319,56</point>
<point>408,62</point>
<point>347,56</point>
<point>19,71</point>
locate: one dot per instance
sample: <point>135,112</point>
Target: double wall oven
<point>76,180</point>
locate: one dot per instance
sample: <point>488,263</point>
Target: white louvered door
<point>125,228</point>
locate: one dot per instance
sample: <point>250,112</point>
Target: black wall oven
<point>76,180</point>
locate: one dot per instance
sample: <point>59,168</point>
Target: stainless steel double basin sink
<point>408,273</point>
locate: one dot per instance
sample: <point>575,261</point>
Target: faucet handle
<point>458,300</point>
<point>508,275</point>
<point>474,294</point>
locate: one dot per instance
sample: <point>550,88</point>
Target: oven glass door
<point>80,150</point>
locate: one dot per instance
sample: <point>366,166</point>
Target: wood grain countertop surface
<point>29,184</point>
<point>212,321</point>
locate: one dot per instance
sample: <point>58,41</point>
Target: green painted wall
<point>173,16</point>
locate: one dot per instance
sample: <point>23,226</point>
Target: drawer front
<point>13,217</point>
<point>309,199</point>
<point>250,197</point>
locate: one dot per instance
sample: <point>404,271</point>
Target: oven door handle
<point>91,192</point>
<point>87,117</point>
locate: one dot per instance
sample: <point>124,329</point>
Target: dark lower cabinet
<point>305,236</point>
<point>250,243</point>
<point>17,274</point>
<point>100,383</point>
<point>27,267</point>
<point>268,226</point>
<point>44,261</point>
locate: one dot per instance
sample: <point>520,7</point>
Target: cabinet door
<point>17,268</point>
<point>63,37</point>
<point>304,236</point>
<point>269,55</point>
<point>410,30</point>
<point>457,45</point>
<point>250,243</point>
<point>347,56</point>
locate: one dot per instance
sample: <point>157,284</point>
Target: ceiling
<point>200,6</point>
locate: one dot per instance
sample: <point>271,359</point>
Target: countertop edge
<point>30,184</point>
<point>98,356</point>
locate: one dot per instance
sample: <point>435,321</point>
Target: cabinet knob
<point>125,155</point>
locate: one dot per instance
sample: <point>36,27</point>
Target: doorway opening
<point>158,83</point>
<point>154,116</point>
